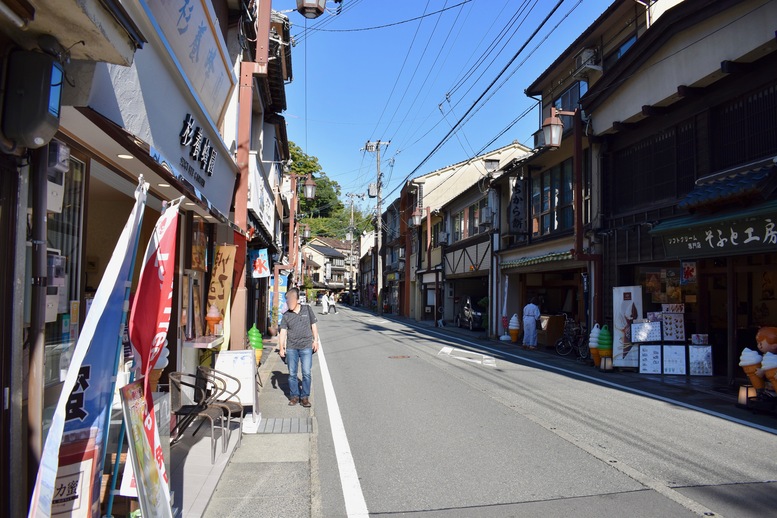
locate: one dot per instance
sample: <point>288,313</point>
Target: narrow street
<point>446,426</point>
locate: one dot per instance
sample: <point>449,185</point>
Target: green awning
<point>747,230</point>
<point>694,220</point>
<point>538,259</point>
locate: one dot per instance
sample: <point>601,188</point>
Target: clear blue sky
<point>390,83</point>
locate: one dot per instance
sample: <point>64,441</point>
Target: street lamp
<point>415,220</point>
<point>310,188</point>
<point>553,127</point>
<point>306,231</point>
<point>311,8</point>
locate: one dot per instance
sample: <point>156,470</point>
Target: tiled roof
<point>332,242</point>
<point>729,187</point>
<point>327,251</point>
<point>545,258</point>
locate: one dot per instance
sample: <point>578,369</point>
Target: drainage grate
<point>286,425</point>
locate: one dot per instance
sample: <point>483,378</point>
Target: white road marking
<point>467,356</point>
<point>607,383</point>
<point>355,505</point>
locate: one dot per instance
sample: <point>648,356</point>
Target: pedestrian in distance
<point>531,319</point>
<point>297,341</point>
<point>332,302</point>
<point>325,303</point>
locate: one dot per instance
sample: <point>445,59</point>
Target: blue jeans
<point>305,356</point>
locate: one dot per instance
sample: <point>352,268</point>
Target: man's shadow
<point>280,380</point>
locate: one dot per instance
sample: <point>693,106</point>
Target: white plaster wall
<point>689,58</point>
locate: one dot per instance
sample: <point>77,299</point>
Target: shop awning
<point>746,230</point>
<point>538,259</point>
<point>753,183</point>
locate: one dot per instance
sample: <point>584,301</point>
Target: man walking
<point>332,303</point>
<point>297,341</point>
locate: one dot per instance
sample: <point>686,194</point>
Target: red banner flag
<point>149,321</point>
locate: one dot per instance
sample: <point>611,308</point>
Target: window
<point>551,201</point>
<point>620,51</point>
<point>436,229</point>
<point>458,226</point>
<point>569,100</point>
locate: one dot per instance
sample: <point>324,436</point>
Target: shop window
<point>552,194</point>
<point>64,239</point>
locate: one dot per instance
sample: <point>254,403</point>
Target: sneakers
<point>305,402</point>
<point>293,401</point>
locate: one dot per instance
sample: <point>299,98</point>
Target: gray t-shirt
<point>298,326</point>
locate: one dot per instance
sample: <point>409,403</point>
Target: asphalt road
<point>445,426</point>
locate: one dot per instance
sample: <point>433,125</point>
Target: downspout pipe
<point>577,252</point>
<point>35,383</point>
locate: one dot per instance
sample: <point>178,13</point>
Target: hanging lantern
<point>310,188</point>
<point>415,220</point>
<point>311,8</point>
<point>552,129</point>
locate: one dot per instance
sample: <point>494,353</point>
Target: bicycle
<point>573,339</point>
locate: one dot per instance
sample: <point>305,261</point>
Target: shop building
<point>167,113</point>
<point>394,257</point>
<point>366,276</point>
<point>28,125</point>
<point>550,247</point>
<point>687,125</point>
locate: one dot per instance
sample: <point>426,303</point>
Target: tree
<point>327,201</point>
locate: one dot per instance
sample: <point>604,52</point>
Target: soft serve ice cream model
<point>514,328</point>
<point>758,367</point>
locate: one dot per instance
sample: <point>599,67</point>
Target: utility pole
<point>351,234</point>
<point>375,147</point>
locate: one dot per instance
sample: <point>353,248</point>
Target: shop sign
<point>261,201</point>
<point>391,277</point>
<point>517,209</point>
<point>199,149</point>
<point>746,235</point>
<point>192,34</point>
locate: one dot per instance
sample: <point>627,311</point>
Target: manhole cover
<point>398,357</point>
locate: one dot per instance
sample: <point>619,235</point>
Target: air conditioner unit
<point>442,237</point>
<point>585,61</point>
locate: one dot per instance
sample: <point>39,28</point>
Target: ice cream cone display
<point>593,343</point>
<point>750,361</point>
<point>769,368</point>
<point>153,379</point>
<point>255,340</point>
<point>514,327</point>
<point>213,317</point>
<point>605,342</point>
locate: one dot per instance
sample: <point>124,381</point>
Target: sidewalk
<point>270,474</point>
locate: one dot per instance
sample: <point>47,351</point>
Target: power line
<point>483,94</point>
<point>395,23</point>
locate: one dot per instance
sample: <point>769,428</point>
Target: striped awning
<point>538,259</point>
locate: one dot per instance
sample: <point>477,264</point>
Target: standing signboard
<point>627,307</point>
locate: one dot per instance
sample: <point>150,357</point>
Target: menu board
<point>674,327</point>
<point>650,359</point>
<point>700,360</point>
<point>674,359</point>
<point>646,332</point>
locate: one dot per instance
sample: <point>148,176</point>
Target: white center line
<point>355,505</point>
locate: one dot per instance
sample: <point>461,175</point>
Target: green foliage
<point>326,214</point>
<point>483,303</point>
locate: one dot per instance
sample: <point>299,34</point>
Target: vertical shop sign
<point>220,291</point>
<point>259,264</point>
<point>517,210</point>
<point>68,479</point>
<point>627,307</point>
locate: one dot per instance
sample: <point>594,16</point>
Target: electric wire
<point>395,23</point>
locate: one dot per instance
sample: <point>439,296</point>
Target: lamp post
<point>310,193</point>
<point>553,129</point>
<point>311,9</point>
